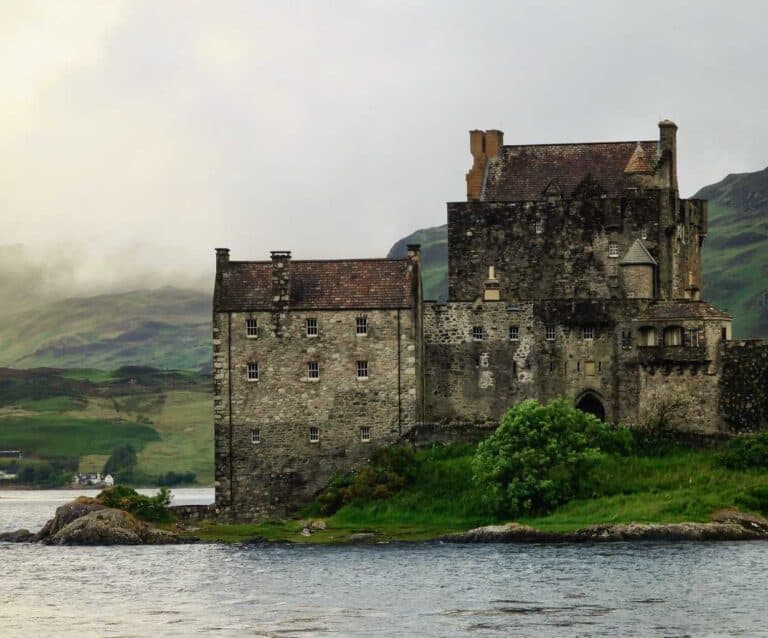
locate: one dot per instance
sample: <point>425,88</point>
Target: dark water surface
<point>642,589</point>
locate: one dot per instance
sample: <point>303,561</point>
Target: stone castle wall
<point>743,390</point>
<point>285,468</point>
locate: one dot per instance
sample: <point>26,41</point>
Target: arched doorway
<point>590,403</point>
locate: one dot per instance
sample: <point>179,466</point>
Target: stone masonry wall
<point>744,386</point>
<point>285,469</point>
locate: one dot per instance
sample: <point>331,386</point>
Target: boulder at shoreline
<point>85,521</point>
<point>727,525</point>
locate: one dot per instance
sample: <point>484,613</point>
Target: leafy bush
<point>388,471</point>
<point>755,498</point>
<point>744,452</point>
<point>146,508</point>
<point>540,455</point>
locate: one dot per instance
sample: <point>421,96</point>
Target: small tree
<point>539,455</point>
<point>121,462</point>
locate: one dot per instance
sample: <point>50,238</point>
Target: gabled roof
<point>523,173</point>
<point>638,255</point>
<point>681,309</point>
<point>331,284</point>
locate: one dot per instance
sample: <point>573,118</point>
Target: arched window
<point>673,336</point>
<point>647,336</point>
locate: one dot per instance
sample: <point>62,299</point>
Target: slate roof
<point>682,310</point>
<point>318,285</point>
<point>522,173</point>
<point>638,255</point>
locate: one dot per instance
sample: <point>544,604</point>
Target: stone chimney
<point>222,259</point>
<point>668,147</point>
<point>484,146</point>
<point>414,253</point>
<point>281,288</point>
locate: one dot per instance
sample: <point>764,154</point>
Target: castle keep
<point>574,271</point>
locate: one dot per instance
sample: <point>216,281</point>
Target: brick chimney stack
<point>668,147</point>
<point>484,146</point>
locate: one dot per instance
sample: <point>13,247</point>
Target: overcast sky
<point>143,134</point>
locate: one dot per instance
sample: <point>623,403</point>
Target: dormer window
<point>613,249</point>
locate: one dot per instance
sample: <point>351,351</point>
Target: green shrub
<point>541,455</point>
<point>146,508</point>
<point>745,452</point>
<point>755,498</point>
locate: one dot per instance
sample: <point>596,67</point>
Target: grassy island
<point>412,495</point>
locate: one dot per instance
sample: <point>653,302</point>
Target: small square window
<point>314,435</point>
<point>588,332</point>
<point>613,249</point>
<point>361,326</point>
<point>313,370</point>
<point>251,328</point>
<point>362,369</point>
<point>312,327</point>
<point>256,436</point>
<point>478,333</point>
<point>514,333</point>
<point>365,435</point>
<point>550,333</point>
<point>253,371</point>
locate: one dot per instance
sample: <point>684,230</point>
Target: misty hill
<point>166,328</point>
<point>735,253</point>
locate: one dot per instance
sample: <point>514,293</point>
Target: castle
<point>574,271</point>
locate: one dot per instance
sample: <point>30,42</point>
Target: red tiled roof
<point>332,284</point>
<point>522,173</point>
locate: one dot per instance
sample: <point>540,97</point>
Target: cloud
<point>331,128</point>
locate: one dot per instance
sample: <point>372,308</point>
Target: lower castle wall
<point>743,391</point>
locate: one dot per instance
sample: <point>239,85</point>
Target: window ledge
<point>363,378</point>
<point>312,379</point>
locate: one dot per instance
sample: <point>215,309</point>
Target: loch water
<point>426,589</point>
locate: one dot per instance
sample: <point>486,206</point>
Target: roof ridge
<point>580,143</point>
<point>321,261</point>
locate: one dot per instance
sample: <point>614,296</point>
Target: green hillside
<point>76,418</point>
<point>736,250</point>
<point>434,256</point>
<point>165,328</point>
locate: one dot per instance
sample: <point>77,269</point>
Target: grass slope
<point>166,416</point>
<point>166,328</point>
<point>683,485</point>
<point>735,257</point>
<point>434,259</point>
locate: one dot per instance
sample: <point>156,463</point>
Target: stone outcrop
<point>110,527</point>
<point>725,526</point>
<point>85,521</point>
